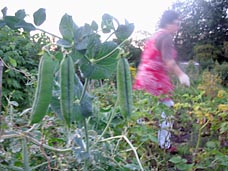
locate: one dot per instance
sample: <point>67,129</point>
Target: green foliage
<point>206,54</point>
<point>79,47</point>
<point>99,138</point>
<point>203,22</point>
<point>222,70</point>
<point>19,53</point>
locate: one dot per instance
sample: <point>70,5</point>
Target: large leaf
<point>82,37</point>
<point>103,65</point>
<point>20,14</point>
<point>15,23</point>
<point>67,27</point>
<point>26,26</point>
<point>39,16</point>
<point>11,21</point>
<point>124,31</point>
<point>76,55</point>
<point>93,45</point>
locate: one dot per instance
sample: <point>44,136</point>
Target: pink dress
<point>152,75</point>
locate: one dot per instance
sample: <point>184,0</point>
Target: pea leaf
<point>67,27</point>
<point>104,65</point>
<point>39,16</point>
<point>124,31</point>
<point>20,14</point>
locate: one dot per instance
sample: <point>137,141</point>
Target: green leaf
<point>39,16</point>
<point>176,159</point>
<point>107,23</point>
<point>76,55</point>
<point>184,166</point>
<point>20,14</point>
<point>4,11</point>
<point>16,23</point>
<point>64,43</point>
<point>67,27</point>
<point>94,26</point>
<point>13,61</point>
<point>99,67</point>
<point>86,106</point>
<point>2,23</point>
<point>26,26</point>
<point>124,31</point>
<point>211,144</point>
<point>11,21</point>
<point>83,36</point>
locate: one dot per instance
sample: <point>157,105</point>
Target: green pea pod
<point>44,88</point>
<point>67,88</point>
<point>124,86</point>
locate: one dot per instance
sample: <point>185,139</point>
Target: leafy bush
<point>222,70</point>
<point>19,53</point>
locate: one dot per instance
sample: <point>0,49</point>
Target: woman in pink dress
<point>157,62</point>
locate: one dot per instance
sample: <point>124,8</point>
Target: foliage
<point>206,55</point>
<point>222,70</point>
<point>61,91</point>
<point>203,22</point>
<point>19,52</point>
<point>102,138</point>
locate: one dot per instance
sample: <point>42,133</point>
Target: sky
<point>143,13</point>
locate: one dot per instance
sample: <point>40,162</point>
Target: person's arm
<point>166,48</point>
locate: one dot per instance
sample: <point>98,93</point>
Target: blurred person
<point>158,61</point>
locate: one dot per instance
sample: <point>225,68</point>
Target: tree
<point>203,22</point>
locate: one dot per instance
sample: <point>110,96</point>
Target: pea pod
<point>67,88</point>
<point>124,86</point>
<point>44,88</point>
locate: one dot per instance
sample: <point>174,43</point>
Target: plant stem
<point>86,135</point>
<point>130,144</point>
<point>84,89</point>
<point>107,126</point>
<point>106,56</point>
<point>40,165</point>
<point>48,33</point>
<point>33,140</point>
<point>25,155</point>
<point>199,139</point>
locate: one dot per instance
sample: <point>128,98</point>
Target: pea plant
<point>62,101</point>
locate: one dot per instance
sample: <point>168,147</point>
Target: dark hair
<point>168,17</point>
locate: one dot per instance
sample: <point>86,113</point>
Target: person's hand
<point>184,79</point>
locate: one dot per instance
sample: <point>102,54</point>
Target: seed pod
<point>67,88</point>
<point>44,88</point>
<point>124,86</point>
